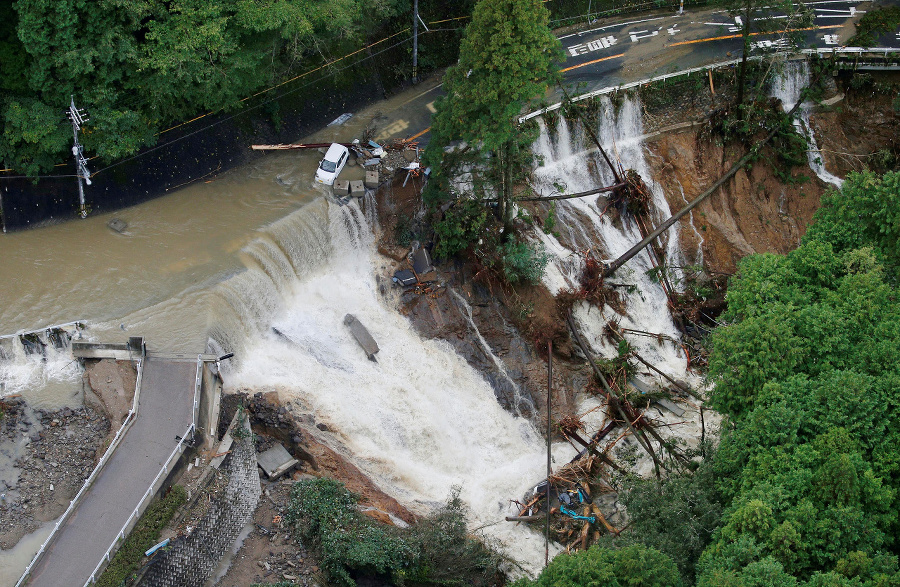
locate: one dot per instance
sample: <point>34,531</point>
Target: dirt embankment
<point>45,457</point>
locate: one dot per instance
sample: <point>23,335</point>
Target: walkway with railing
<point>121,490</point>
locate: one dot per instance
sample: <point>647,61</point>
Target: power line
<point>330,64</point>
<point>261,104</point>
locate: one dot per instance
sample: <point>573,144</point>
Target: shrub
<point>435,551</point>
<point>461,227</point>
<point>632,566</point>
<point>522,262</point>
<point>145,534</point>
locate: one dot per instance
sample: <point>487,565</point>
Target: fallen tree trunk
<point>615,265</point>
<point>609,188</point>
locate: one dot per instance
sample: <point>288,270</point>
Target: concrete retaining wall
<point>191,560</point>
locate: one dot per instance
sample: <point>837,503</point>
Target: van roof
<point>335,151</point>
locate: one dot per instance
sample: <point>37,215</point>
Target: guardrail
<point>126,424</point>
<point>686,72</point>
<point>155,484</point>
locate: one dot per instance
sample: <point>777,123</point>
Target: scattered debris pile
<point>421,277</point>
<point>46,457</point>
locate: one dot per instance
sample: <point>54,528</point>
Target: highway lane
<point>613,52</point>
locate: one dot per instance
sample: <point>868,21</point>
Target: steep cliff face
<point>755,212</point>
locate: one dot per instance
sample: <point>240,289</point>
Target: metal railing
<point>126,424</point>
<point>155,484</point>
<point>885,51</point>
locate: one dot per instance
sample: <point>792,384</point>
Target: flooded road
<point>154,279</point>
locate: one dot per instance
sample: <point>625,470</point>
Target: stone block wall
<point>190,561</point>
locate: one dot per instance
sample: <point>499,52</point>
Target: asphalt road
<point>610,52</point>
<point>167,394</point>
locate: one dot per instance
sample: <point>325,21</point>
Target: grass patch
<point>145,534</point>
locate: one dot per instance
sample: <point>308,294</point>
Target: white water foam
<point>567,160</point>
<point>420,420</point>
<point>793,79</point>
<point>47,379</point>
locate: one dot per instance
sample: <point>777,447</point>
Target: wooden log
<point>534,518</point>
<point>295,146</point>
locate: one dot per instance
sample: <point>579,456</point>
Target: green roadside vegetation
<point>437,550</point>
<point>875,22</point>
<point>142,67</point>
<point>804,487</point>
<point>145,534</point>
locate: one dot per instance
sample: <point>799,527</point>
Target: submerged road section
<point>165,411</point>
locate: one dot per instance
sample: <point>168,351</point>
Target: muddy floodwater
<point>156,279</point>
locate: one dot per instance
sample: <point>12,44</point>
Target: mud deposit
<point>44,459</point>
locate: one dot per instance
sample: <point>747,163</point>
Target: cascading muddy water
<point>568,159</point>
<point>40,363</point>
<point>570,162</point>
<point>419,421</point>
<point>791,81</point>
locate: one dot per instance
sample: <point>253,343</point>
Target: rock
<point>322,427</point>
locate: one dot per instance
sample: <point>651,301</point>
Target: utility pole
<point>415,75</point>
<point>549,469</point>
<point>77,116</point>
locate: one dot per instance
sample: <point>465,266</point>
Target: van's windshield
<point>328,166</point>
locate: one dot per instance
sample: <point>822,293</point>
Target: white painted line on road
<point>422,94</point>
<point>611,26</point>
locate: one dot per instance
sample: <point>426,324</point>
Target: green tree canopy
<point>631,566</point>
<point>507,58</point>
<point>808,373</point>
<point>138,65</point>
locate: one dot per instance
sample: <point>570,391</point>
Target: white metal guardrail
<point>157,481</point>
<point>885,51</point>
<point>129,419</point>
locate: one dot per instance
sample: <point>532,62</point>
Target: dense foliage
<point>631,566</point>
<point>876,22</point>
<point>507,58</point>
<point>139,66</point>
<point>804,488</point>
<point>436,551</point>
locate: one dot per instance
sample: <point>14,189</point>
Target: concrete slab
<point>341,187</point>
<point>362,336</point>
<point>276,461</point>
<point>371,180</point>
<point>357,189</point>
<point>671,406</point>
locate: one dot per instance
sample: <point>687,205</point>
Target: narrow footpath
<point>164,413</point>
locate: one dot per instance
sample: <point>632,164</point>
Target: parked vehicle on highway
<point>332,164</point>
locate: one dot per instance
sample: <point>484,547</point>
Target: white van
<point>332,163</point>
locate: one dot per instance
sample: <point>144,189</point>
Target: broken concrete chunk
<point>117,224</point>
<point>276,461</point>
<point>671,406</point>
<point>421,260</point>
<point>356,188</point>
<point>405,277</point>
<point>362,336</point>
